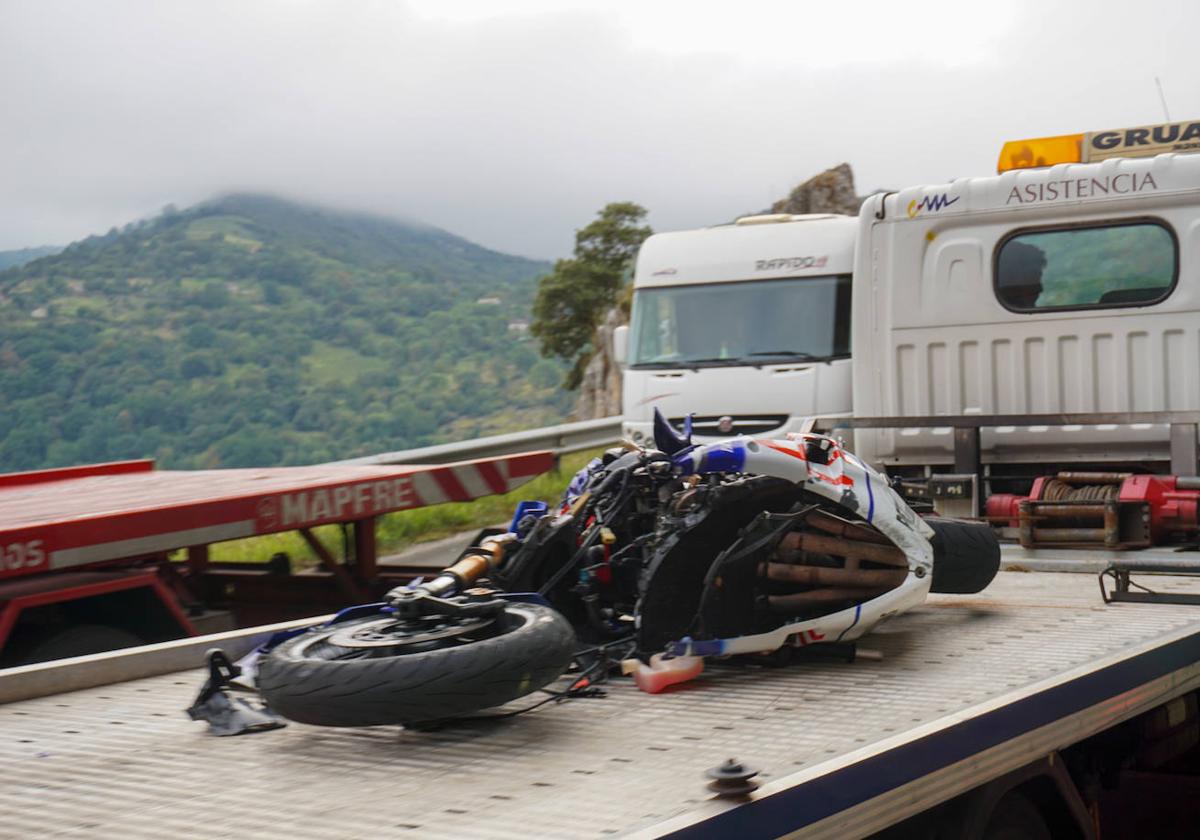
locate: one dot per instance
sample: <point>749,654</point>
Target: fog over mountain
<point>248,330</point>
<point>511,123</point>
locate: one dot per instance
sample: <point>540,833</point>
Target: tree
<point>200,335</point>
<point>573,298</point>
<point>213,295</point>
<point>613,239</point>
<point>195,365</point>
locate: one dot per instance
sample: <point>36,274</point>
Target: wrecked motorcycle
<point>681,552</point>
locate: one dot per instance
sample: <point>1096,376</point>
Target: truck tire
<point>81,640</point>
<point>1015,817</point>
<point>966,556</point>
<point>304,679</point>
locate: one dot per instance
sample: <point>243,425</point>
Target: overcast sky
<point>511,122</point>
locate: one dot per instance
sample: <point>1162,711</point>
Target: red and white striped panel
<point>71,522</point>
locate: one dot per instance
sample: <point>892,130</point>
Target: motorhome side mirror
<point>620,345</point>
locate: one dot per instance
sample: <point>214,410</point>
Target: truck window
<point>1098,266</point>
<point>750,322</point>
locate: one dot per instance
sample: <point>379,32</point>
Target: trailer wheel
<point>312,679</point>
<point>966,556</point>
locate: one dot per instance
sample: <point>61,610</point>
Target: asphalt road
<point>435,554</point>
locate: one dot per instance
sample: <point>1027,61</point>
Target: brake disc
<point>391,632</point>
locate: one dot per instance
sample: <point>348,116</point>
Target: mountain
<point>8,259</point>
<point>251,330</point>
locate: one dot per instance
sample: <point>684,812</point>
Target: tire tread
<point>421,686</point>
<point>966,556</point>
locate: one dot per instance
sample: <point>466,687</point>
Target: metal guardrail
<point>561,439</point>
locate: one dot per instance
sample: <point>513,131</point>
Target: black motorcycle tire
<point>966,556</point>
<point>534,648</point>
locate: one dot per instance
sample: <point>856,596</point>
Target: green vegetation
<point>254,331</point>
<point>8,259</point>
<point>329,363</point>
<point>573,298</point>
<point>395,531</point>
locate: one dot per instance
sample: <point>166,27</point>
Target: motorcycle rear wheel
<point>348,675</point>
<point>966,555</point>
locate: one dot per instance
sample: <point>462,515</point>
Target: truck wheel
<point>966,556</point>
<point>1016,818</point>
<point>81,640</point>
<point>347,674</point>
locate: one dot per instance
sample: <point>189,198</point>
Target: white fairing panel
<point>853,485</point>
<point>932,338</point>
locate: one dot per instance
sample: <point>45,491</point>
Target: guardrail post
<point>364,548</point>
<point>347,584</point>
<point>966,460</point>
<point>197,559</point>
<point>1183,449</point>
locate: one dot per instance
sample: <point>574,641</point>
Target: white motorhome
<point>1070,289</point>
<point>746,326</point>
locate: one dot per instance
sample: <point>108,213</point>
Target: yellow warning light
<point>1044,151</point>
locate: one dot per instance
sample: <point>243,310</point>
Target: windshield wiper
<point>792,354</point>
<point>695,364</point>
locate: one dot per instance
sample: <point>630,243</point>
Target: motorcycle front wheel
<point>381,670</point>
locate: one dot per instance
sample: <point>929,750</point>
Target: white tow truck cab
<point>1050,312</point>
<point>746,326</point>
<point>1067,295</point>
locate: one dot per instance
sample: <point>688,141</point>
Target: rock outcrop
<point>830,192</point>
<point>600,388</point>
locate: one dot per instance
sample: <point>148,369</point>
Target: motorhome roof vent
<point>776,218</point>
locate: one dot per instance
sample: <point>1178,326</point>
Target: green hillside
<point>250,331</point>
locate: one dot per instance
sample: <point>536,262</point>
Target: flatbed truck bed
<point>968,688</point>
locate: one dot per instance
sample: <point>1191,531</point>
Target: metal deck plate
<point>124,761</point>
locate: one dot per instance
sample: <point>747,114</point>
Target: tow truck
<point>1046,706</point>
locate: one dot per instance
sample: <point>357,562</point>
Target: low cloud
<point>512,130</point>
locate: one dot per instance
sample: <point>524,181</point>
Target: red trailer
<point>84,551</point>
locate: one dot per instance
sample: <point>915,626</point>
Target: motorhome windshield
<point>751,322</point>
